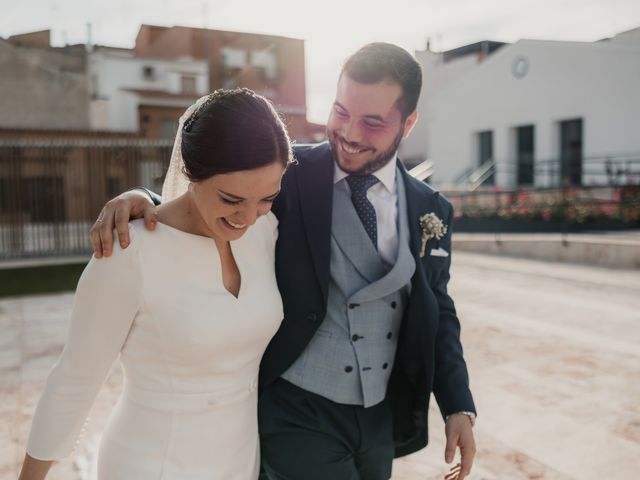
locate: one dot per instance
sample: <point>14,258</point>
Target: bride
<point>188,309</point>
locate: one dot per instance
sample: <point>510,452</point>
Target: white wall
<point>436,75</point>
<point>597,82</point>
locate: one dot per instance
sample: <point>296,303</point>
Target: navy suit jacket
<point>429,355</point>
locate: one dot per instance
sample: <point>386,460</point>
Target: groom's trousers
<point>304,436</point>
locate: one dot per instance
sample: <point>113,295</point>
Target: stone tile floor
<point>553,352</point>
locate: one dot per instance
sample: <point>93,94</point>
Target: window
<point>571,152</point>
<point>265,61</point>
<point>485,152</point>
<point>233,57</point>
<point>148,72</point>
<point>188,84</point>
<point>525,154</point>
<point>234,60</point>
<point>168,128</point>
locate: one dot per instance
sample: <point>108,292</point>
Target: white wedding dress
<point>190,352</point>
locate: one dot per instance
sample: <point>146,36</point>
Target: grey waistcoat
<point>350,357</point>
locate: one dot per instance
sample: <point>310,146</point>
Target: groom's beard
<point>373,165</point>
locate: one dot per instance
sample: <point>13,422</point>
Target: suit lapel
<point>315,181</point>
<point>418,203</point>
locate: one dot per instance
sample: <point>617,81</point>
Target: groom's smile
<point>349,148</point>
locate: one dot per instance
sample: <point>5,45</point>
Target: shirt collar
<point>386,175</point>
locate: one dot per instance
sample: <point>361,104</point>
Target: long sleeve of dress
<point>106,301</point>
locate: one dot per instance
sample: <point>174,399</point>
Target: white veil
<point>176,182</point>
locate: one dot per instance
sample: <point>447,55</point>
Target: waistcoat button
<point>385,366</point>
<point>394,305</point>
<point>348,368</point>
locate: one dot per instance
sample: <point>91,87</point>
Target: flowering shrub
<point>573,206</point>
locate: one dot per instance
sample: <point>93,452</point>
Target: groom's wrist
<point>470,415</point>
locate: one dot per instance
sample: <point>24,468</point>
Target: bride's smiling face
<point>229,203</point>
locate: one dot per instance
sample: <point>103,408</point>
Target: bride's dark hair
<point>233,130</point>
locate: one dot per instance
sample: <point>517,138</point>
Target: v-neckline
<point>232,246</point>
<point>232,249</point>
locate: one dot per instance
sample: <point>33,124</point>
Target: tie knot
<point>361,183</point>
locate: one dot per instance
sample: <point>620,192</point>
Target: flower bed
<point>574,209</point>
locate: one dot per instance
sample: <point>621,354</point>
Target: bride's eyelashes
<point>238,202</point>
<point>230,202</point>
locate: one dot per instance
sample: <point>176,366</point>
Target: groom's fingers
<point>467,453</point>
<point>100,233</point>
<point>453,473</point>
<point>450,449</point>
<point>122,213</point>
<point>105,229</point>
<point>94,234</point>
<point>150,216</point>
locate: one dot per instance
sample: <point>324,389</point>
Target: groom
<point>362,263</point>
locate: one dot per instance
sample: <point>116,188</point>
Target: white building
<point>128,92</point>
<point>545,113</point>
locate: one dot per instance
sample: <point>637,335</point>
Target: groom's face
<point>365,126</point>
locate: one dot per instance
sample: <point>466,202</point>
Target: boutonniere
<point>432,227</point>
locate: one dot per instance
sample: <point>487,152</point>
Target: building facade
<point>146,89</point>
<point>544,113</point>
<point>273,66</point>
<point>142,94</point>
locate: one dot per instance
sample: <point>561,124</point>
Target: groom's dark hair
<point>379,62</point>
<point>233,130</point>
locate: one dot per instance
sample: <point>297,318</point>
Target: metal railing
<point>423,170</point>
<point>51,191</point>
<point>610,170</point>
<point>482,174</point>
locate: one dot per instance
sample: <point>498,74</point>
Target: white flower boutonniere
<point>432,227</point>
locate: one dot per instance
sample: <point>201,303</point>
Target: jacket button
<point>394,305</point>
<point>389,335</point>
<point>353,305</point>
<point>312,317</point>
<point>385,366</point>
<point>348,368</point>
<point>354,338</point>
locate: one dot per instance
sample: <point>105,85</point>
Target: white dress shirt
<point>384,198</point>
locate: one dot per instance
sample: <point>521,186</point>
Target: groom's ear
<point>409,123</point>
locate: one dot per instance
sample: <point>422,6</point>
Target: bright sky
<point>332,28</point>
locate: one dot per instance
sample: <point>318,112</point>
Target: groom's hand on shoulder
<point>116,213</point>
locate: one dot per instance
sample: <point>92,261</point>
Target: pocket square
<point>439,252</point>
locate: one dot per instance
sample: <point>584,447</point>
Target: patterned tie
<point>359,185</point>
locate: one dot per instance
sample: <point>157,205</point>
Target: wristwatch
<point>471,415</point>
